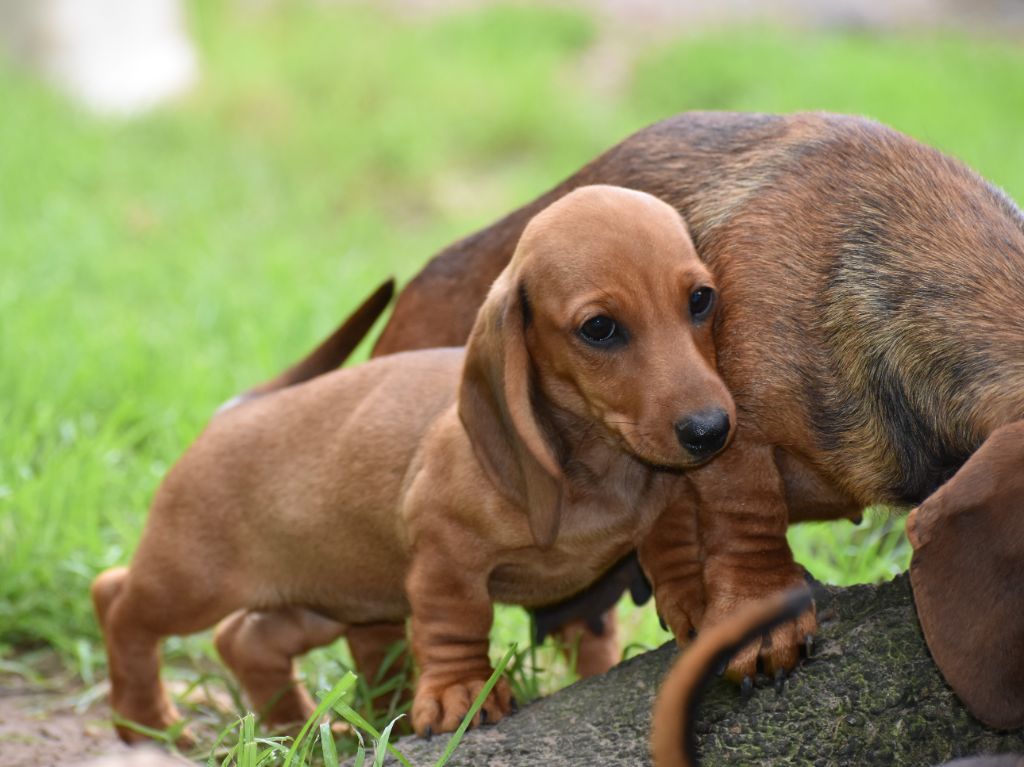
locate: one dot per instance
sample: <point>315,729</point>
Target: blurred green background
<point>151,269</point>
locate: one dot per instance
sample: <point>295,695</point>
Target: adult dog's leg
<point>259,647</point>
<point>671,556</point>
<point>743,518</point>
<point>968,577</point>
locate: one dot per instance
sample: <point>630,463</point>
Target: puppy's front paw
<point>778,650</point>
<point>441,706</point>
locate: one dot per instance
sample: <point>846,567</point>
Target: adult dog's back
<point>873,291</point>
<point>872,334</point>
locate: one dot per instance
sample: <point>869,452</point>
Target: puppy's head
<point>602,318</point>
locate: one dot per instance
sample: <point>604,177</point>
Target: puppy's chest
<point>593,536</point>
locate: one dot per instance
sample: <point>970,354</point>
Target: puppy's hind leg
<point>135,613</point>
<point>371,645</point>
<point>134,661</point>
<point>259,647</point>
<point>596,652</point>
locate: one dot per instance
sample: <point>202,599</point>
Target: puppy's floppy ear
<point>497,410</point>
<point>967,572</point>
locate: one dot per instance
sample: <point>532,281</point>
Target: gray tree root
<point>870,695</point>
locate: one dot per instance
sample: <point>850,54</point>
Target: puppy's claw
<point>747,686</point>
<point>513,704</point>
<point>721,668</point>
<point>661,622</point>
<point>483,716</point>
<point>780,680</point>
<point>428,733</point>
<point>809,645</point>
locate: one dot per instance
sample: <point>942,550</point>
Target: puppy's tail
<point>672,739</point>
<point>331,353</point>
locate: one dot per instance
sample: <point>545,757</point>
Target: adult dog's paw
<point>773,653</point>
<point>441,706</point>
<point>681,605</point>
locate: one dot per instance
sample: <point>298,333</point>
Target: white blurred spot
<point>118,57</point>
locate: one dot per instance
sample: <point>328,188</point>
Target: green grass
<point>152,269</point>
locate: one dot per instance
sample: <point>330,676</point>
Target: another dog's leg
<point>671,556</point>
<point>451,623</point>
<point>370,645</point>
<point>135,614</point>
<point>259,645</point>
<point>595,652</point>
<point>743,519</point>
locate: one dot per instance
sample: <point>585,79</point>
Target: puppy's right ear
<point>497,410</point>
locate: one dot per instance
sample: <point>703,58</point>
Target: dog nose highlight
<point>703,434</point>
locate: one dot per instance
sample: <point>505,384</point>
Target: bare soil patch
<point>51,726</point>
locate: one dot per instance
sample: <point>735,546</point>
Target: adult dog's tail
<point>331,353</point>
<point>672,740</point>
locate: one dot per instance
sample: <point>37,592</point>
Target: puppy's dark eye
<point>599,330</point>
<point>701,302</point>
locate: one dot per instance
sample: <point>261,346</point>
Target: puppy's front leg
<point>743,518</point>
<point>451,624</point>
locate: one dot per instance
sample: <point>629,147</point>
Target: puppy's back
<point>302,487</point>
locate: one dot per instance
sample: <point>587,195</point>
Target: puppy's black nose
<point>703,434</point>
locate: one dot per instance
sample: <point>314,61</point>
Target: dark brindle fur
<point>872,326</point>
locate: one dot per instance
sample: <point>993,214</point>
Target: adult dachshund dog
<point>432,483</point>
<point>872,335</point>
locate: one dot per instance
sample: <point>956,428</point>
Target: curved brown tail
<point>332,352</point>
<point>672,740</point>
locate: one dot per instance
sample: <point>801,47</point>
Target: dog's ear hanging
<point>497,411</point>
<point>967,572</point>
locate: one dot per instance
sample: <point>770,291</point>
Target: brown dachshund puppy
<point>433,483</point>
<point>872,333</point>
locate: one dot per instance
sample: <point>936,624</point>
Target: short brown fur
<point>433,483</point>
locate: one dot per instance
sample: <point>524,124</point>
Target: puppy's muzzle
<point>703,434</point>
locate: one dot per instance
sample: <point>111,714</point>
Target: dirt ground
<point>51,727</point>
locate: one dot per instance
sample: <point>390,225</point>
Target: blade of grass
<point>331,699</point>
<point>327,747</point>
<point>211,760</point>
<point>393,653</point>
<point>354,718</point>
<point>167,737</point>
<point>228,756</point>
<point>360,751</point>
<point>247,742</point>
<point>381,750</point>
